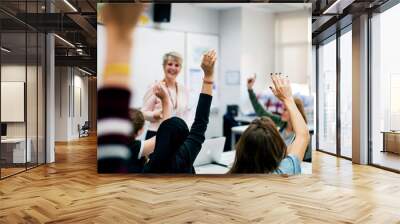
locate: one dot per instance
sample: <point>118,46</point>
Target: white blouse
<point>179,101</point>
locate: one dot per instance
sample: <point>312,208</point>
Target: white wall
<point>230,53</point>
<point>80,110</point>
<point>61,103</point>
<point>67,112</point>
<point>293,41</point>
<point>187,18</point>
<point>84,84</point>
<point>13,73</point>
<point>257,51</point>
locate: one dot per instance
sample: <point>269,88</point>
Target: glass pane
<point>13,85</point>
<point>31,98</point>
<point>41,99</point>
<point>346,94</point>
<point>327,97</point>
<point>386,89</point>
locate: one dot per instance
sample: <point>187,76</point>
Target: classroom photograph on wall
<point>205,88</point>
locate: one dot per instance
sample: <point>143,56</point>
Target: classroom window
<point>385,89</point>
<point>327,96</point>
<point>346,94</point>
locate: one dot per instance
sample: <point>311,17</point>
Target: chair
<point>228,122</point>
<point>84,130</point>
<point>232,110</point>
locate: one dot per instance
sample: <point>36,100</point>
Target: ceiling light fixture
<point>70,5</point>
<point>328,10</point>
<point>64,40</point>
<point>5,50</point>
<point>337,7</point>
<point>79,51</point>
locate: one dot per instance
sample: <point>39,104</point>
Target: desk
<point>391,141</point>
<point>226,162</point>
<point>247,119</point>
<point>16,147</point>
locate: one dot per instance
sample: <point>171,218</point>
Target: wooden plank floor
<point>10,171</point>
<point>70,191</point>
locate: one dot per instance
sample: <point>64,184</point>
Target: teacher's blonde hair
<point>175,56</point>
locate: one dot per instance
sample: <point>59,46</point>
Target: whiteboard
<point>12,101</point>
<point>149,47</point>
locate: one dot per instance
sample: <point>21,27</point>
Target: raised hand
<point>281,88</point>
<point>124,16</point>
<point>160,91</point>
<point>208,63</point>
<point>250,81</point>
<point>120,21</point>
<point>283,91</point>
<point>158,115</point>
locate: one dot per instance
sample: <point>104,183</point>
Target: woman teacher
<point>177,93</point>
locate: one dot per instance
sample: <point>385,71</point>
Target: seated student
<point>262,150</point>
<point>138,159</point>
<point>176,147</point>
<point>142,149</point>
<point>283,121</point>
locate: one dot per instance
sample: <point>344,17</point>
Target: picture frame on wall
<point>232,78</point>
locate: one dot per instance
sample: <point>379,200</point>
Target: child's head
<point>172,133</point>
<point>300,106</point>
<point>137,120</point>
<point>260,148</point>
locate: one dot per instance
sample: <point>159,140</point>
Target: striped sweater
<point>114,129</point>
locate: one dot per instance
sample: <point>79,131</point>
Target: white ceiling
<point>267,7</point>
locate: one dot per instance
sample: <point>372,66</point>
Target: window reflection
<point>385,86</point>
<point>346,94</point>
<point>327,97</point>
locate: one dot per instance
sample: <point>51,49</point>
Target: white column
<point>360,90</point>
<point>50,92</point>
<point>50,99</point>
